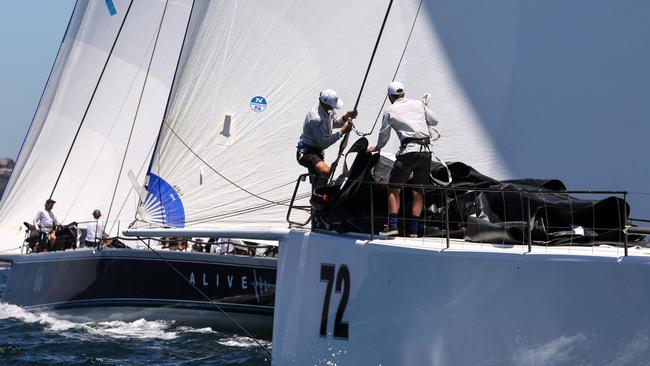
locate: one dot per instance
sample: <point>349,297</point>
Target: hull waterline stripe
<point>157,303</point>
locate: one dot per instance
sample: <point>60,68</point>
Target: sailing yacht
<point>520,90</point>
<point>94,144</point>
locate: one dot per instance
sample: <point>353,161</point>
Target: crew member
<point>317,135</point>
<point>95,231</point>
<point>413,123</point>
<point>45,222</point>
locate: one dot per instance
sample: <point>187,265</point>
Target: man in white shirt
<point>224,245</point>
<point>95,231</point>
<point>317,135</point>
<point>45,222</point>
<point>413,122</point>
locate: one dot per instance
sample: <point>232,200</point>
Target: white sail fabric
<point>285,52</point>
<point>91,174</point>
<point>514,95</point>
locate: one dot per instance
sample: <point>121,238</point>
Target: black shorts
<point>309,157</point>
<point>418,163</point>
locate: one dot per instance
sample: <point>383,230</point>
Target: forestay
<point>91,174</point>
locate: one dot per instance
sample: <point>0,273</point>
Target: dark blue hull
<point>127,284</point>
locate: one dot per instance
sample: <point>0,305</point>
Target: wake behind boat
<point>127,285</point>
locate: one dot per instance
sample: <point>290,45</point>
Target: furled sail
<point>107,92</point>
<point>252,69</point>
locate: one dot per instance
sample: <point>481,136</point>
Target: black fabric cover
<point>479,208</point>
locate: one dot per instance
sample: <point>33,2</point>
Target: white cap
<point>395,88</point>
<point>329,97</point>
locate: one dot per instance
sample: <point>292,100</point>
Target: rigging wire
<point>92,97</point>
<point>137,111</point>
<point>211,208</point>
<point>110,131</point>
<point>217,172</point>
<point>408,40</point>
<point>174,80</point>
<point>344,143</point>
<point>206,297</point>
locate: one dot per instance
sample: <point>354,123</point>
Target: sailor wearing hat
<point>45,222</point>
<point>413,123</point>
<point>317,134</point>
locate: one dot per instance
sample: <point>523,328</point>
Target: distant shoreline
<point>6,167</point>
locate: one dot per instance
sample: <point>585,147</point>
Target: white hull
<point>415,303</point>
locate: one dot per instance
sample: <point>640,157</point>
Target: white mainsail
<point>226,157</point>
<point>147,43</point>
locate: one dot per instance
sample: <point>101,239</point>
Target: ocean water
<point>30,338</point>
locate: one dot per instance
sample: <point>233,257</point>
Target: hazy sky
<point>30,35</point>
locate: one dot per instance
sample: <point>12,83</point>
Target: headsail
<point>147,41</point>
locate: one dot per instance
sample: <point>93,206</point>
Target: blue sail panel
<point>163,204</point>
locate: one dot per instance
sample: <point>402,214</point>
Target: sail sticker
<point>112,10</point>
<point>258,104</point>
<point>163,205</point>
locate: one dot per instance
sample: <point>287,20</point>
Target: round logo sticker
<point>258,104</point>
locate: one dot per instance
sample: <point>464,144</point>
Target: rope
<point>344,143</point>
<point>216,305</point>
<point>83,118</point>
<point>212,208</point>
<point>242,211</point>
<point>137,111</point>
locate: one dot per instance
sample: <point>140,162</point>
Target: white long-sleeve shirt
<point>318,125</point>
<point>94,231</point>
<point>410,119</point>
<point>45,221</point>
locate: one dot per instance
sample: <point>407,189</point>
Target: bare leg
<point>323,173</point>
<point>393,200</point>
<point>418,203</point>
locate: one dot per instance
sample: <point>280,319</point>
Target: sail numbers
<point>341,328</point>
